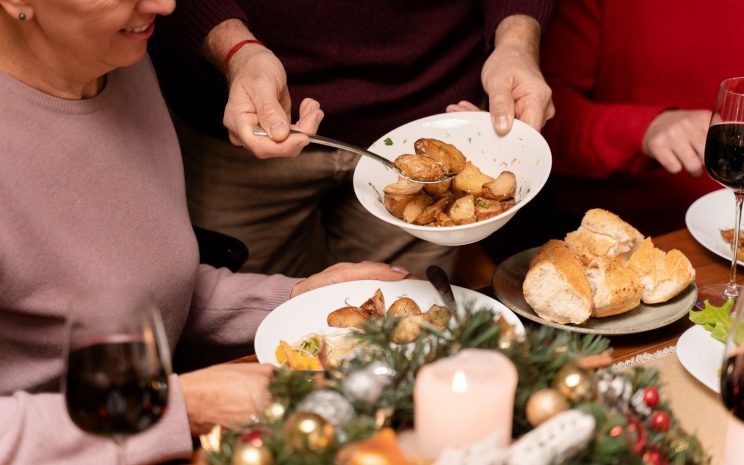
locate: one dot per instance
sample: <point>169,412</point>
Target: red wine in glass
<point>118,363</point>
<point>732,385</point>
<point>108,391</point>
<point>724,154</point>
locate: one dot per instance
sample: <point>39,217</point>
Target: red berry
<point>636,428</point>
<point>654,457</point>
<point>616,431</point>
<point>660,421</point>
<point>651,396</point>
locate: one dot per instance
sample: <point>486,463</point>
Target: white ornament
<point>639,405</point>
<point>554,441</point>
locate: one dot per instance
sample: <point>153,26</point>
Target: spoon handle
<point>259,131</point>
<point>438,278</point>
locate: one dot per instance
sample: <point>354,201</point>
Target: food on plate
<point>603,233</point>
<point>662,274</point>
<point>420,167</point>
<point>451,159</point>
<point>604,268</point>
<point>728,236</point>
<point>556,286</point>
<point>305,354</point>
<point>468,197</point>
<point>716,320</point>
<point>404,308</point>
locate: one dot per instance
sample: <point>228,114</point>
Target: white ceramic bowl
<point>523,151</point>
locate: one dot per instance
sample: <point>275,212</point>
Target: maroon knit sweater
<point>373,65</point>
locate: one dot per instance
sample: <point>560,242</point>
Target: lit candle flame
<point>459,382</point>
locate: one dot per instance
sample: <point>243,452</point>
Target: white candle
<point>463,399</point>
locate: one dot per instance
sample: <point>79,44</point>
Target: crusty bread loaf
<point>615,286</point>
<point>601,234</point>
<point>662,275</point>
<point>556,286</point>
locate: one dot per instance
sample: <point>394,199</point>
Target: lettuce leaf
<point>717,320</point>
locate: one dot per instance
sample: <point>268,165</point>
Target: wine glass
<point>732,384</point>
<point>118,363</point>
<point>724,162</point>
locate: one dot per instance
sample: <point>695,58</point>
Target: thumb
<point>501,106</point>
<point>271,115</point>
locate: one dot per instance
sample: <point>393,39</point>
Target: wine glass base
<point>714,294</point>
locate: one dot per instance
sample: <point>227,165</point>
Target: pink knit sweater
<point>92,191</point>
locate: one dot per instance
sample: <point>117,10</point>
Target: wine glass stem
<point>732,292</point>
<point>121,454</point>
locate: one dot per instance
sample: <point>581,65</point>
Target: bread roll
<point>556,287</point>
<point>603,233</point>
<point>662,275</point>
<point>615,286</point>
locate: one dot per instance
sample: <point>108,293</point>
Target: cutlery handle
<point>438,278</point>
<point>259,131</point>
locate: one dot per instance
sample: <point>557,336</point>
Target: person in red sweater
<point>633,83</point>
<point>373,66</point>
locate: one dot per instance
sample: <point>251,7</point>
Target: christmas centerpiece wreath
<point>569,407</point>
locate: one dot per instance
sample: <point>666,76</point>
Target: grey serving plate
<point>507,284</point>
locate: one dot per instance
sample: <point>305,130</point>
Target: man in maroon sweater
<point>373,66</point>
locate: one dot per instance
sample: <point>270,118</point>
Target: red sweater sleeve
<point>589,137</point>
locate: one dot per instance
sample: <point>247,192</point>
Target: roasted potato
<point>396,204</point>
<point>416,207</point>
<point>403,187</point>
<point>462,210</point>
<point>501,188</point>
<point>448,155</point>
<point>347,317</point>
<point>375,305</point>
<point>486,208</point>
<point>408,329</point>
<point>404,306</point>
<point>443,219</point>
<point>429,215</point>
<point>420,167</point>
<point>470,181</point>
<point>437,190</point>
<point>438,316</point>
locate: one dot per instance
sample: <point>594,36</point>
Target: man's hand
<point>229,395</point>
<point>512,79</point>
<point>258,94</point>
<point>342,272</point>
<point>676,139</point>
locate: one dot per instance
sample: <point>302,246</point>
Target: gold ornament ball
<point>248,454</point>
<point>274,412</point>
<point>308,432</point>
<point>575,384</point>
<point>544,404</point>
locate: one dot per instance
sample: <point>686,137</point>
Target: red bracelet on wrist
<point>238,46</point>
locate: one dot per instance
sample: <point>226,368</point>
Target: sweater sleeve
<point>227,307</point>
<point>188,26</point>
<point>588,138</point>
<point>35,429</point>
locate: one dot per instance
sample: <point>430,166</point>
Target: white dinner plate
<point>707,216</point>
<point>701,355</point>
<point>307,312</point>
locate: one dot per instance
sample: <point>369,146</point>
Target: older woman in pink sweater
<point>92,192</point>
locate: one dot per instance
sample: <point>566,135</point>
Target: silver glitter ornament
<point>330,405</point>
<point>366,385</point>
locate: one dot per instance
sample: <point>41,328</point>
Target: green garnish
<point>717,320</point>
<point>388,141</point>
<point>311,345</point>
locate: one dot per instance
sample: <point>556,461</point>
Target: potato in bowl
<point>522,152</point>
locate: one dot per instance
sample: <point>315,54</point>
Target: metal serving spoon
<point>259,131</point>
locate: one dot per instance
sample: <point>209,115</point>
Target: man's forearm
<point>521,31</point>
<point>222,38</point>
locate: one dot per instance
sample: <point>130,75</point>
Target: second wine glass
<point>118,364</point>
<point>724,162</point>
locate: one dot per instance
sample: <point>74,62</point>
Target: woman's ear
<point>18,10</point>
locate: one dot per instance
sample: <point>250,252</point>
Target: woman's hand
<point>342,272</point>
<point>676,139</point>
<point>229,395</point>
